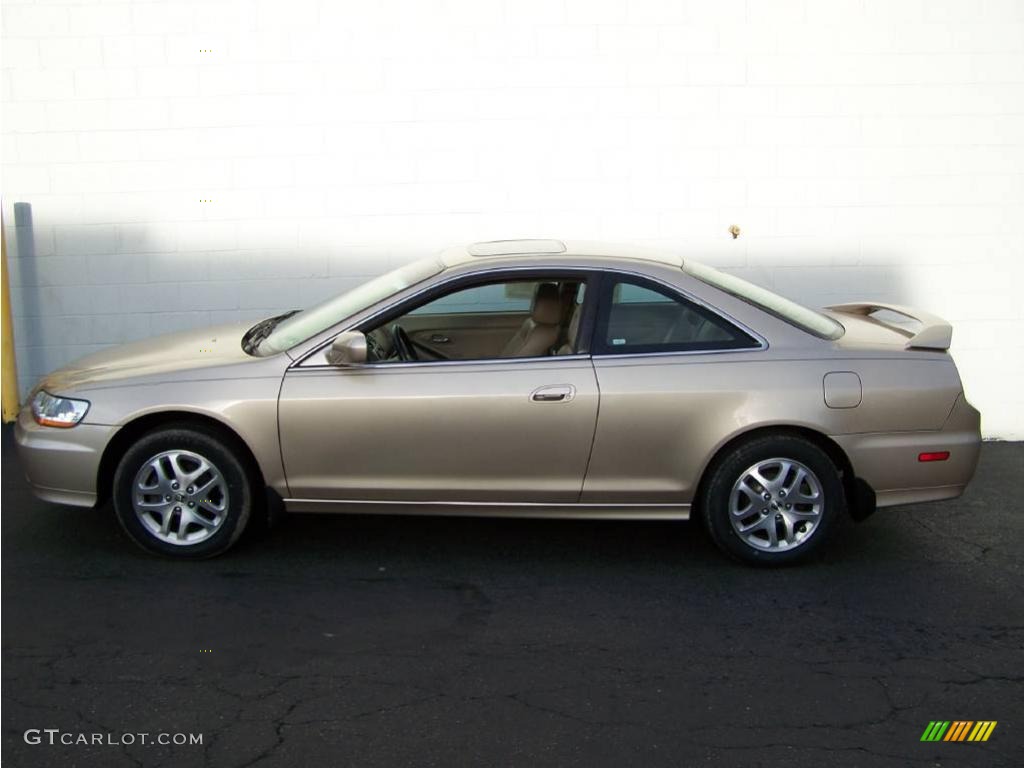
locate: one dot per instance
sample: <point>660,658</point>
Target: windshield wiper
<point>262,329</point>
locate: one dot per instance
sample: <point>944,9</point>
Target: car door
<point>480,430</point>
<point>667,370</point>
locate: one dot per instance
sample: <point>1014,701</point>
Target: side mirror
<point>348,348</point>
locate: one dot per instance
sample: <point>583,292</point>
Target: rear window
<point>795,314</point>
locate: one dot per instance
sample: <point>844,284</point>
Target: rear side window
<point>637,317</point>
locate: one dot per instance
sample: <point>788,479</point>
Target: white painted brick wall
<point>868,149</point>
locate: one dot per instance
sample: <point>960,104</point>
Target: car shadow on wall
<point>80,288</point>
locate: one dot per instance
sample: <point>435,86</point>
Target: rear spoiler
<point>935,333</point>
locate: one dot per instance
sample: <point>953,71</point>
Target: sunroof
<point>515,247</point>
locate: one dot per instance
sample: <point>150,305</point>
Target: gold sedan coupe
<point>529,378</point>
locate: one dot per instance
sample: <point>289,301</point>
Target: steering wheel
<point>375,352</point>
<point>403,344</point>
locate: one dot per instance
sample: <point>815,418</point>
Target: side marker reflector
<point>933,456</point>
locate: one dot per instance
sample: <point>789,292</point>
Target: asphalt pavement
<point>375,641</point>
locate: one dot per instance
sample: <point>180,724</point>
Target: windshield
<point>793,313</point>
<point>308,323</point>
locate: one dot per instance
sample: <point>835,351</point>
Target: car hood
<point>160,356</point>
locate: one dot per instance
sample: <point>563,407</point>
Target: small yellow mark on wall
<point>206,650</point>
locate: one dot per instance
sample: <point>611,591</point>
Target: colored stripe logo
<point>959,730</point>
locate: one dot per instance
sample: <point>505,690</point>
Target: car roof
<point>548,251</point>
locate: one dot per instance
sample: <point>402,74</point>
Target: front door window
<point>508,318</point>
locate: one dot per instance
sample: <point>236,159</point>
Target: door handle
<point>560,393</point>
<point>439,338</point>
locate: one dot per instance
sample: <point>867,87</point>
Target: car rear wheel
<point>772,500</point>
<point>182,492</point>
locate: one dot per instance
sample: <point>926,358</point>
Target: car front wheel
<point>772,500</point>
<point>182,492</point>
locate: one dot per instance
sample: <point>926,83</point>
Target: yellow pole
<point>8,367</point>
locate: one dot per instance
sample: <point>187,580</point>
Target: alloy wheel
<point>180,497</point>
<point>776,504</point>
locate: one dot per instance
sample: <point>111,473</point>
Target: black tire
<point>237,482</point>
<point>716,498</point>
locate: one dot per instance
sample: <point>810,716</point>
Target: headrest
<point>547,306</point>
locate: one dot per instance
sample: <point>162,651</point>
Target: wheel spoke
<point>186,476</point>
<point>755,472</point>
<point>799,497</point>
<point>161,471</point>
<point>205,487</point>
<point>798,478</point>
<point>217,509</point>
<point>802,514</point>
<point>757,525</point>
<point>207,524</point>
<point>788,529</point>
<point>756,500</point>
<point>195,474</point>
<point>184,519</point>
<point>784,470</point>
<point>161,484</point>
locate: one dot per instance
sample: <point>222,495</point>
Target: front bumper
<point>61,465</point>
<point>888,461</point>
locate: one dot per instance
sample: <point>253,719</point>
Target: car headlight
<point>52,411</point>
